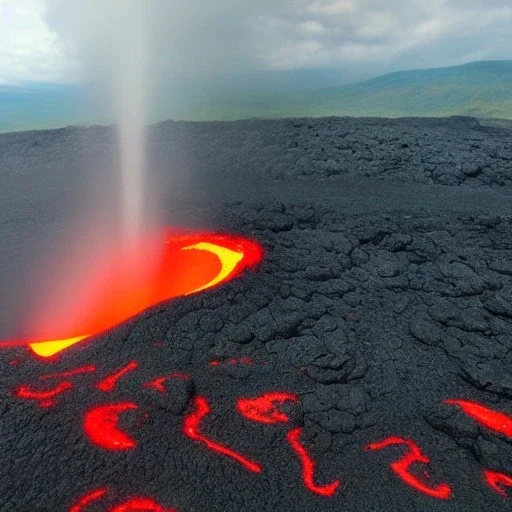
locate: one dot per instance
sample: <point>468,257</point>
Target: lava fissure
<point>158,383</point>
<point>109,382</point>
<point>308,466</point>
<point>70,373</point>
<point>495,480</point>
<point>233,361</point>
<point>137,504</point>
<point>87,499</point>
<point>263,408</point>
<point>493,420</point>
<point>140,505</point>
<point>45,398</point>
<point>191,425</point>
<point>401,467</point>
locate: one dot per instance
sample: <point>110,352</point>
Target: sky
<point>66,41</point>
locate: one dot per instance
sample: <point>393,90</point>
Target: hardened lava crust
<point>365,365</point>
<point>450,151</point>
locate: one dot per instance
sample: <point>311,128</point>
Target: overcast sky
<point>63,41</point>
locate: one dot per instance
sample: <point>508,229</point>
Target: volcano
<point>358,360</point>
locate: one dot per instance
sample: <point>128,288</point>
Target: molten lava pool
<point>156,269</point>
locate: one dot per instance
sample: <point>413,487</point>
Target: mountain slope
<point>479,89</point>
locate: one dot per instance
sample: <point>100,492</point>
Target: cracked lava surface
<point>364,365</point>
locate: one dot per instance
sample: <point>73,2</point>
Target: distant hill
<point>480,89</point>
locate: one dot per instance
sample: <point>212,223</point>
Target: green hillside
<point>479,89</point>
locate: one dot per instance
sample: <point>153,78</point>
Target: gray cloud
<point>192,37</point>
<point>198,39</point>
<point>345,32</point>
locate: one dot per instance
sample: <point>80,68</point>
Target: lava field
<point>363,365</point>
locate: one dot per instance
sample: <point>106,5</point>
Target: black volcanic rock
<point>377,300</point>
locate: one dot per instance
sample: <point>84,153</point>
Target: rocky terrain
<point>382,313</point>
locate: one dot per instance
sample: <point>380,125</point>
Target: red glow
<point>131,505</point>
<point>158,269</point>
<point>45,398</point>
<point>87,499</point>
<point>308,466</point>
<point>100,425</point>
<point>140,505</point>
<point>158,383</point>
<point>234,360</point>
<point>495,480</point>
<point>77,371</point>
<point>191,426</point>
<point>109,383</point>
<point>401,467</point>
<point>263,408</point>
<point>497,421</point>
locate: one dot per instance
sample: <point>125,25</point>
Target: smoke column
<point>114,215</point>
<point>129,61</point>
<point>111,40</point>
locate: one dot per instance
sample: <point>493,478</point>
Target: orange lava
<point>495,480</point>
<point>156,270</point>
<point>308,466</point>
<point>442,491</point>
<point>100,426</point>
<point>263,408</point>
<point>191,425</point>
<point>493,420</point>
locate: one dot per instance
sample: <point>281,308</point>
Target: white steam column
<point>130,68</point>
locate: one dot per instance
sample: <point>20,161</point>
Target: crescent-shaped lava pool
<point>155,269</point>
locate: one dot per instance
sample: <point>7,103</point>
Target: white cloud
<point>377,24</point>
<point>29,51</point>
<point>63,40</point>
<point>298,54</point>
<point>311,27</point>
<point>374,31</point>
<point>330,8</point>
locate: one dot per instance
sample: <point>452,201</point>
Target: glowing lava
<point>109,383</point>
<point>140,505</point>
<point>158,383</point>
<point>493,420</point>
<point>45,398</point>
<point>308,466</point>
<point>495,480</point>
<point>263,409</point>
<point>88,368</point>
<point>101,428</point>
<point>401,467</point>
<point>191,426</point>
<point>156,270</point>
<point>89,498</point>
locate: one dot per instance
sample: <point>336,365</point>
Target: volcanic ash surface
<point>365,365</point>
